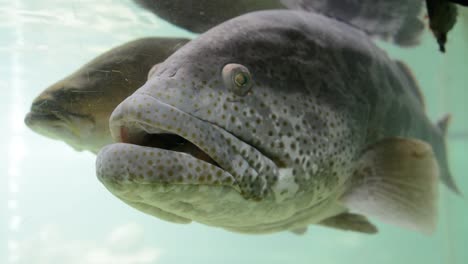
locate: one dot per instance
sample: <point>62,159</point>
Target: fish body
<point>76,109</point>
<point>273,121</point>
<point>398,21</point>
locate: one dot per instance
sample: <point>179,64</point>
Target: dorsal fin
<point>443,124</point>
<point>414,86</point>
<point>446,176</point>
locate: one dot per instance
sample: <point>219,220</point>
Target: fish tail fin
<point>396,181</point>
<point>445,175</point>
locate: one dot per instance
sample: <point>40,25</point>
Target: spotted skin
<point>285,149</point>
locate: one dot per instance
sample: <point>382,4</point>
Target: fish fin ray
<point>396,181</point>
<point>350,222</point>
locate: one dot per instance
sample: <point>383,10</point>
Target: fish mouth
<point>49,111</point>
<point>177,167</point>
<point>186,150</point>
<point>51,120</point>
<point>162,163</point>
<point>165,141</point>
<point>45,111</point>
<point>33,117</point>
<point>183,148</point>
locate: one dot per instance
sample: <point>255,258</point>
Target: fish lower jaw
<point>170,185</point>
<point>125,163</point>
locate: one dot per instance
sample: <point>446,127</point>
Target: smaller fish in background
<point>76,109</point>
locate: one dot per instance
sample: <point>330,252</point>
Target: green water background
<point>54,210</point>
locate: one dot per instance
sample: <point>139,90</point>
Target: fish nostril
<point>39,103</point>
<point>43,105</point>
<point>47,106</point>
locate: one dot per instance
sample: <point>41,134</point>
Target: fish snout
<point>45,106</point>
<point>144,120</point>
<point>44,110</point>
<point>50,118</point>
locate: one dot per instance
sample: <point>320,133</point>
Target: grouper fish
<point>76,109</point>
<point>273,121</point>
<point>398,21</point>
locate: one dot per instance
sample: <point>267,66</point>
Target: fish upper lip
<point>141,127</point>
<point>45,110</point>
<point>48,110</point>
<point>45,106</point>
<point>33,116</point>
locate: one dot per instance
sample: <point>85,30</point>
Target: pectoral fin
<point>351,222</point>
<point>396,181</point>
<point>443,124</point>
<point>299,231</point>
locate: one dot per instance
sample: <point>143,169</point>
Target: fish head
<point>76,109</point>
<point>214,134</point>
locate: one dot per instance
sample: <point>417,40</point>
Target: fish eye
<point>237,78</point>
<point>241,79</point>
